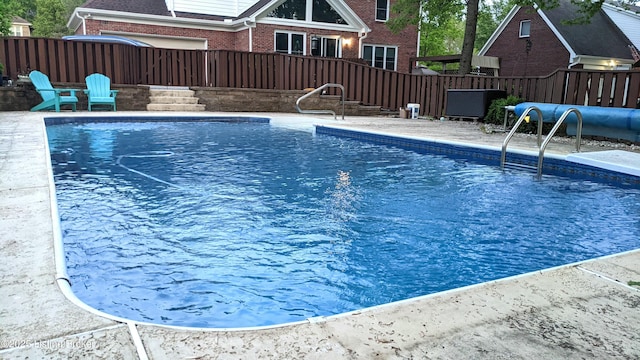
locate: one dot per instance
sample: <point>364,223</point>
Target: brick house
<point>535,42</point>
<point>331,28</point>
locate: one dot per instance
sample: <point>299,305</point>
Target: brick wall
<point>547,53</point>
<point>263,38</point>
<point>215,40</point>
<point>406,40</point>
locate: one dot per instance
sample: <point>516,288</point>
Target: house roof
<point>599,38</point>
<point>627,18</point>
<point>145,7</point>
<point>158,8</point>
<point>149,7</point>
<point>17,20</point>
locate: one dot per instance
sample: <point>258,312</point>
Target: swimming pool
<point>233,225</point>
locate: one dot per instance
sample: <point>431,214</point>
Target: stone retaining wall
<point>23,96</point>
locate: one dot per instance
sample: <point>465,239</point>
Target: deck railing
<point>70,62</point>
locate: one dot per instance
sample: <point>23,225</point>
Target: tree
<point>5,18</point>
<point>469,36</point>
<point>489,17</point>
<point>50,19</point>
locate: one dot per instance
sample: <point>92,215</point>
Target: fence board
<point>633,93</point>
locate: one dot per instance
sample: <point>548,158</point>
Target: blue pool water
<point>243,224</point>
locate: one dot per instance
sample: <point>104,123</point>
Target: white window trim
<point>395,58</point>
<point>376,12</point>
<point>16,30</point>
<point>338,44</point>
<point>351,25</point>
<point>520,30</point>
<point>289,33</point>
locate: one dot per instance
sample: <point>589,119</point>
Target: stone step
<point>173,100</point>
<point>172,92</point>
<point>175,107</point>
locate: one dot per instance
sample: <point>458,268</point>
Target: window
<point>308,10</point>
<point>382,10</point>
<point>380,56</point>
<point>290,43</point>
<point>290,9</point>
<point>16,30</point>
<point>323,12</point>
<point>525,28</point>
<point>326,46</point>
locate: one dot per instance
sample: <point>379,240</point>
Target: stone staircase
<point>173,99</point>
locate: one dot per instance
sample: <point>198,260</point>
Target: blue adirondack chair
<point>99,91</point>
<point>51,98</point>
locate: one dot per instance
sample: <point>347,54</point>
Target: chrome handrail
<point>320,111</point>
<point>553,131</point>
<point>503,157</point>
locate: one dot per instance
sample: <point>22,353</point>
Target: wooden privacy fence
<point>70,62</point>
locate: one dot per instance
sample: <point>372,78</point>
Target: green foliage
<point>442,37</point>
<point>1,68</point>
<point>51,19</point>
<point>5,18</point>
<point>490,16</point>
<point>426,15</point>
<point>25,9</point>
<point>495,114</point>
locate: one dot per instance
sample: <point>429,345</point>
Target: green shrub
<point>495,114</point>
<point>1,68</point>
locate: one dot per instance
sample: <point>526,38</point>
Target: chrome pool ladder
<point>321,111</point>
<point>541,145</point>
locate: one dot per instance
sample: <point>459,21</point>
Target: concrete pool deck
<point>579,311</point>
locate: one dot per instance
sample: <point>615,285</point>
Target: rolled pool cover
<point>620,123</point>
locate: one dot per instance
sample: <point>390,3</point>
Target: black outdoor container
<point>465,103</point>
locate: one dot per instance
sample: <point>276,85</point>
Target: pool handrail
<point>522,118</point>
<point>320,111</point>
<point>553,131</point>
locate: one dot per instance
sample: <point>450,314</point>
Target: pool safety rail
<point>542,145</point>
<point>321,88</point>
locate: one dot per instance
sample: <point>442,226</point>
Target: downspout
<point>361,36</point>
<point>84,24</point>
<point>249,27</point>
<point>171,7</point>
<point>422,16</point>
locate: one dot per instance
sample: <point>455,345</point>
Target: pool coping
<point>335,332</point>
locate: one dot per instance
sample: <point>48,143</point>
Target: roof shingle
<point>600,37</point>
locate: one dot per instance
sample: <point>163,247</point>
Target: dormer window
<point>525,28</point>
<point>382,10</point>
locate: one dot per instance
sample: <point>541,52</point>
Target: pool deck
<point>585,310</point>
